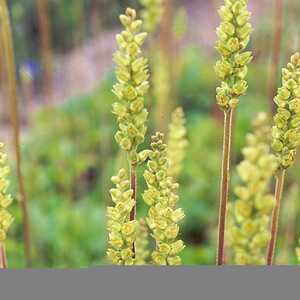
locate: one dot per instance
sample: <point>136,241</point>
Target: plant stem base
<point>225,181</point>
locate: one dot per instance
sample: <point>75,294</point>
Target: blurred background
<point>63,52</point>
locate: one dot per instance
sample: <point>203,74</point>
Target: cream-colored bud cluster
<point>132,75</point>
<point>249,216</point>
<point>142,244</point>
<point>122,231</point>
<point>161,196</point>
<point>233,37</point>
<point>6,218</point>
<point>151,14</point>
<point>286,129</point>
<point>177,142</point>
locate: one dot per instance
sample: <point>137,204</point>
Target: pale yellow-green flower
<point>5,199</point>
<point>233,37</point>
<point>177,142</point>
<point>248,226</point>
<point>161,197</point>
<point>286,129</point>
<point>122,231</point>
<point>142,244</point>
<point>151,14</point>
<point>132,75</point>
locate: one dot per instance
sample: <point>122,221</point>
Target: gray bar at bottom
<point>149,283</point>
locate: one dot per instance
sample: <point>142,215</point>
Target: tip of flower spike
<point>295,59</point>
<point>158,136</point>
<point>131,13</point>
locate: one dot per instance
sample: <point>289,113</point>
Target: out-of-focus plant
<point>298,253</point>
<point>161,196</point>
<point>45,45</point>
<point>151,14</point>
<point>64,212</point>
<point>11,94</point>
<point>5,200</point>
<point>286,136</point>
<point>177,142</point>
<point>180,23</point>
<point>249,216</point>
<point>233,38</point>
<point>161,89</point>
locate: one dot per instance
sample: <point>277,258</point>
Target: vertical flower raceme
<point>151,14</point>
<point>286,130</point>
<point>177,142</point>
<point>286,136</point>
<point>5,200</point>
<point>249,216</point>
<point>122,230</point>
<point>161,196</point>
<point>132,75</point>
<point>233,38</point>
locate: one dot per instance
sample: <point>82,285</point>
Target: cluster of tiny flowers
<point>161,197</point>
<point>132,75</point>
<point>286,129</point>
<point>5,199</point>
<point>141,244</point>
<point>177,142</point>
<point>233,38</point>
<point>122,231</point>
<point>249,216</point>
<point>151,14</point>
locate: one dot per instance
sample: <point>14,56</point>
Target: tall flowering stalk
<point>161,197</point>
<point>132,75</point>
<point>233,38</point>
<point>5,200</point>
<point>249,216</point>
<point>286,136</point>
<point>8,55</point>
<point>177,142</point>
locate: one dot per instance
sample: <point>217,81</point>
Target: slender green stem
<point>3,259</point>
<point>8,51</point>
<point>275,216</point>
<point>224,187</point>
<point>133,186</point>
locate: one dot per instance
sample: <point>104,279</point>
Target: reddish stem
<point>3,259</point>
<point>225,181</point>
<point>275,216</point>
<point>133,186</point>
